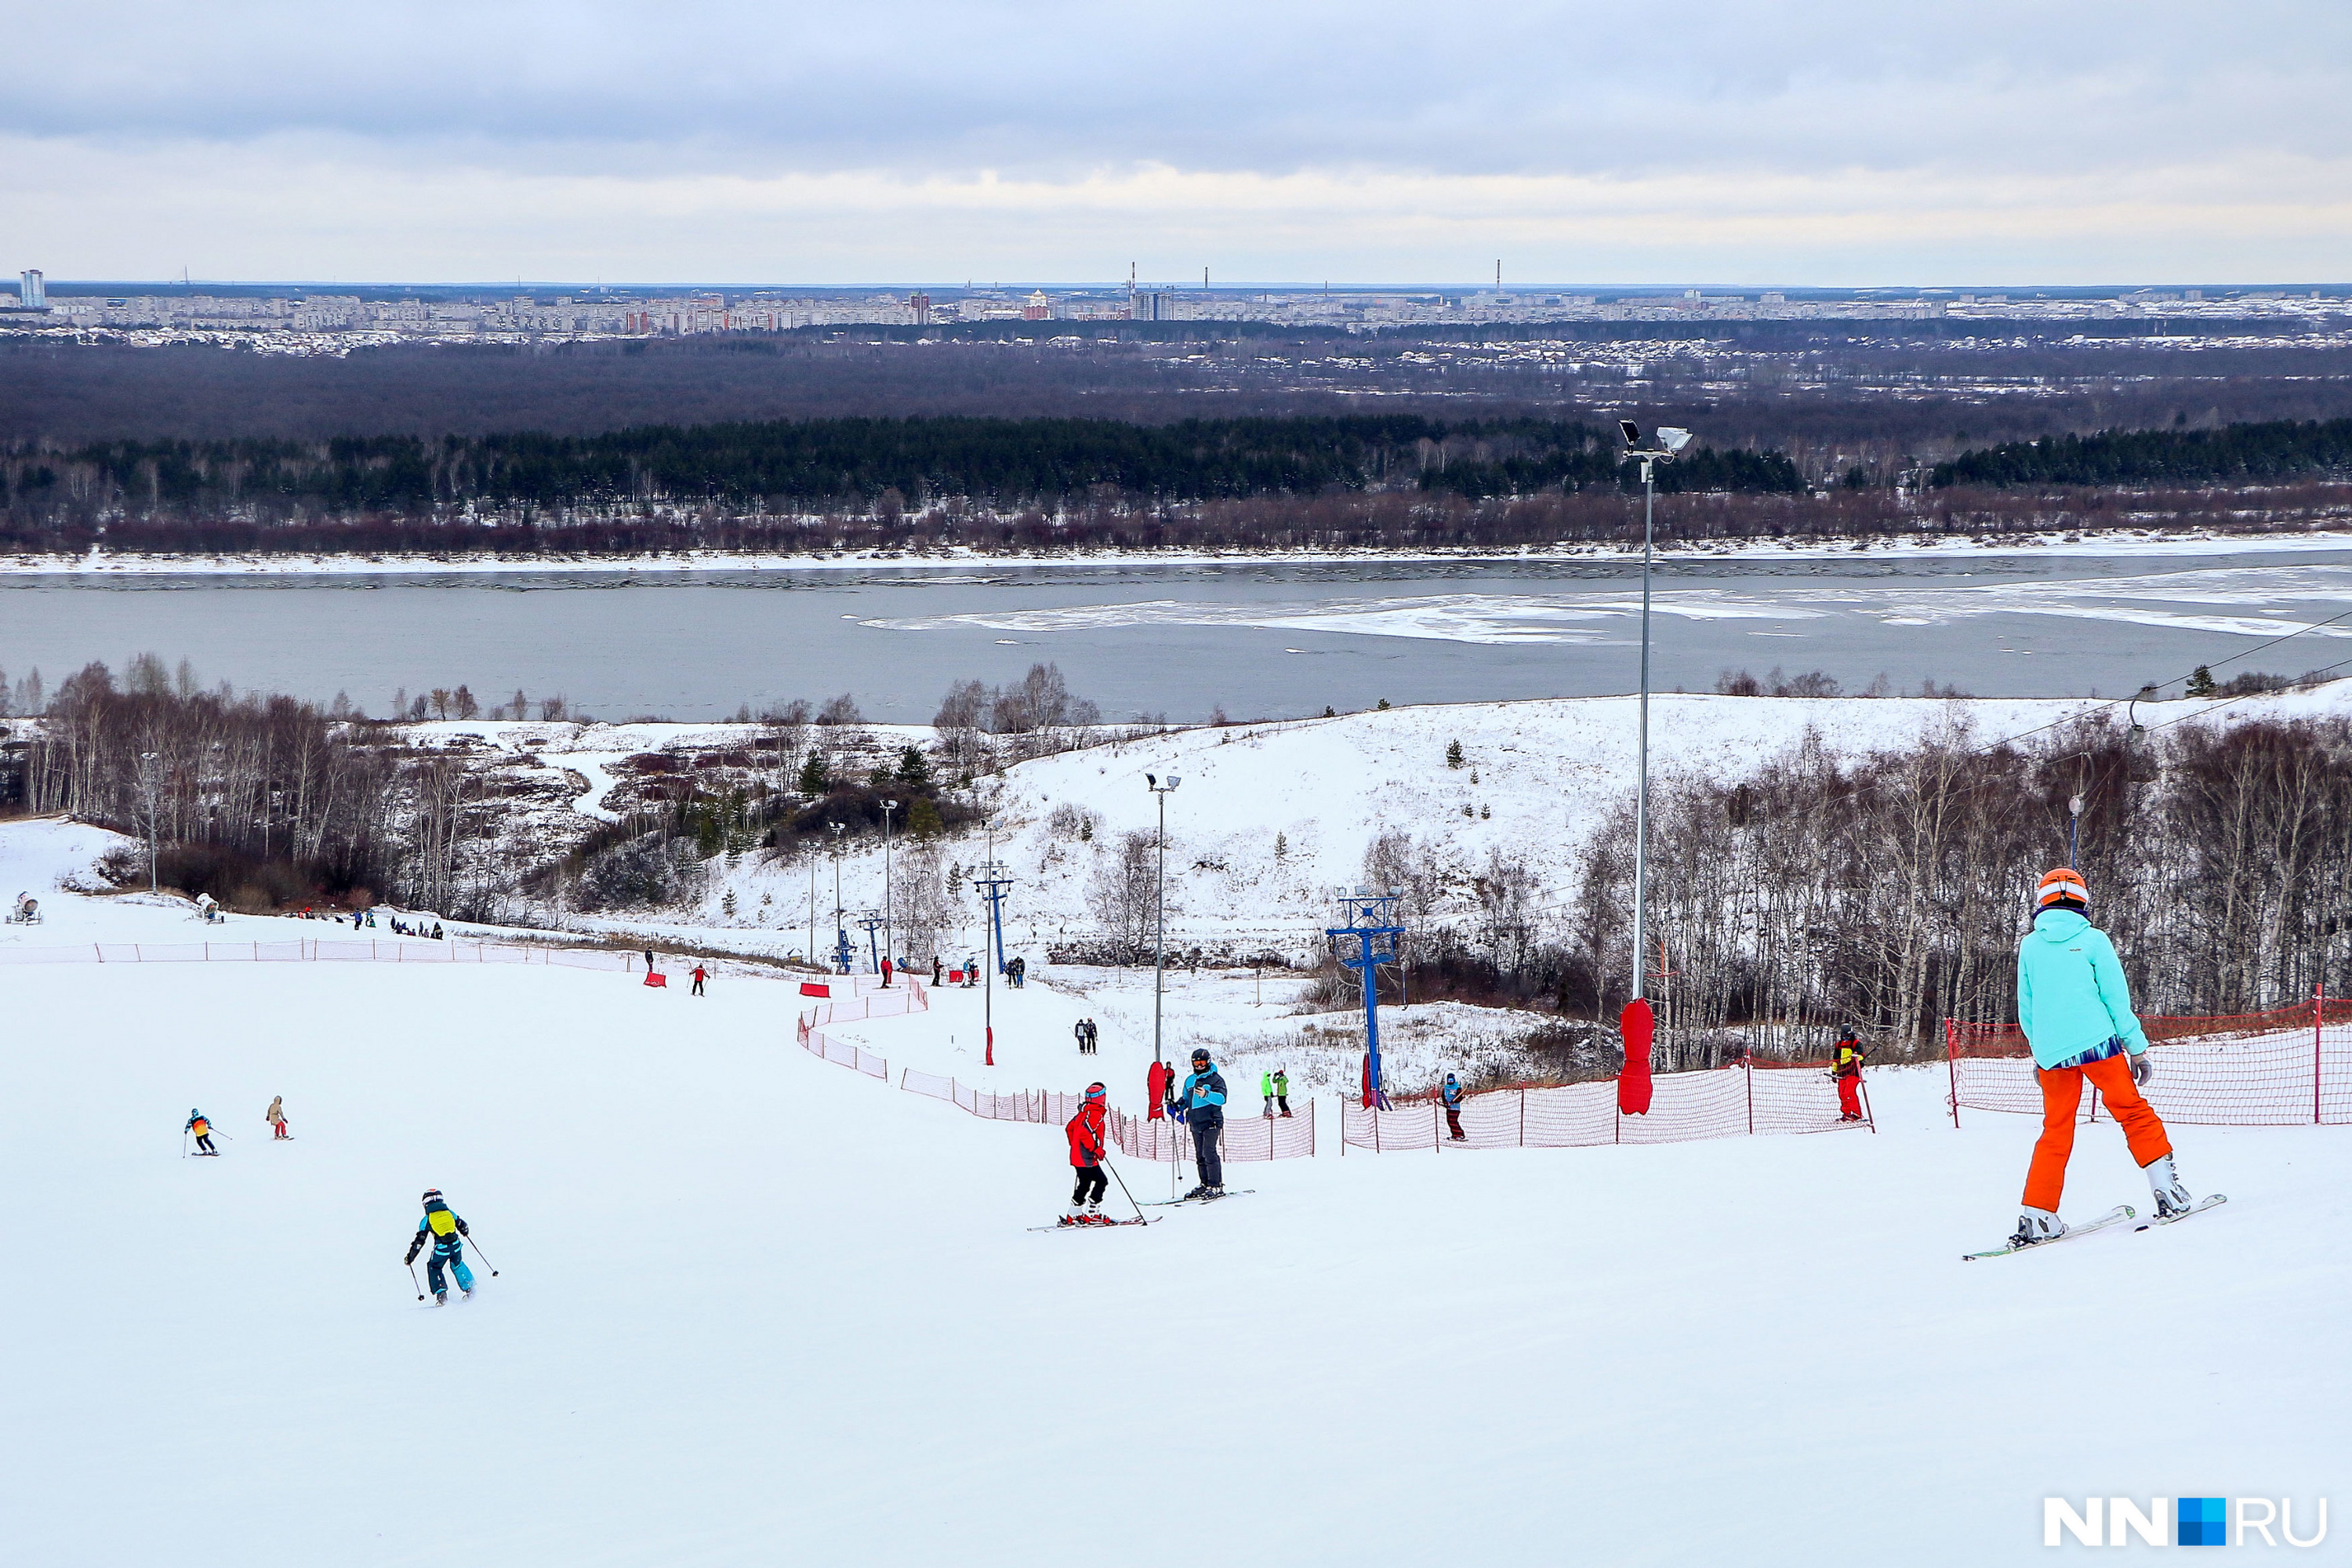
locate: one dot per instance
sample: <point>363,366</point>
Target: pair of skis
<point>2115,1216</point>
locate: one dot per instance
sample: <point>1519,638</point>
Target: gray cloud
<point>1929,122</point>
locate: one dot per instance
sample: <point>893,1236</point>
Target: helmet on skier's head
<point>1200,1059</point>
<point>1095,1092</point>
<point>430,1194</point>
<point>2060,888</point>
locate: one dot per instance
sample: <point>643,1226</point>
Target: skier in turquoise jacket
<point>2075,1010</point>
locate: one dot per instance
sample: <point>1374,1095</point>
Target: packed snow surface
<point>755,1308</point>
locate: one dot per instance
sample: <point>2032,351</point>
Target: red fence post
<point>1748,1062</point>
<point>1523,1119</point>
<point>2318,1016</point>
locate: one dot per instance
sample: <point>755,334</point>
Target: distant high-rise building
<point>921,305</point>
<point>30,292</point>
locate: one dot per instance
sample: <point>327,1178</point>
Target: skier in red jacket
<point>1089,1132</point>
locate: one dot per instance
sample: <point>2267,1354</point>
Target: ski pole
<point>413,1280</point>
<point>478,1252</point>
<point>1122,1187</point>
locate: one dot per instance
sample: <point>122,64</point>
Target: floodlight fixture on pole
<point>840,933</point>
<point>1159,907</point>
<point>1669,441</point>
<point>989,880</point>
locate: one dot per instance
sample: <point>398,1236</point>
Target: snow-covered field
<point>754,1308</point>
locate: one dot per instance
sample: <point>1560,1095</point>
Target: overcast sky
<point>893,143</point>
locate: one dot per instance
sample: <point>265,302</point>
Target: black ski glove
<point>411,1255</point>
<point>2142,1068</point>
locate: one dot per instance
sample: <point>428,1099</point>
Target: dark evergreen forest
<point>2271,450</point>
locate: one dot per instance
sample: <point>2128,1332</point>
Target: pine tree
<point>923,818</point>
<point>1281,845</point>
<point>814,780</point>
<point>914,772</point>
<point>2200,682</point>
<point>1454,755</point>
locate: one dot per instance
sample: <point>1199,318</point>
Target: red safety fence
<point>1723,1102</point>
<point>873,1001</point>
<point>817,1043</point>
<point>1138,1137</point>
<point>2285,1067</point>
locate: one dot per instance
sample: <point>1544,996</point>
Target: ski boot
<point>2035,1226</point>
<point>1074,1217</point>
<point>1094,1215</point>
<point>2171,1197</point>
<point>1200,1191</point>
<point>440,1298</point>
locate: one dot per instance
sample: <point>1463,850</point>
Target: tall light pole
<point>1160,911</point>
<point>887,807</point>
<point>1649,454</point>
<point>841,936</point>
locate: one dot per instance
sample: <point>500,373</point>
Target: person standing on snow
<point>275,1117</point>
<point>1266,1087</point>
<point>1450,1093</point>
<point>1079,1029</point>
<point>1846,1068</point>
<point>1204,1112</point>
<point>2076,1011</point>
<point>441,1223</point>
<point>697,981</point>
<point>936,967</point>
<point>203,1128</point>
<point>1282,1090</point>
<point>1087,1134</point>
<point>886,972</point>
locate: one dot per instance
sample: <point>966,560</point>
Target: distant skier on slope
<point>1088,1132</point>
<point>275,1117</point>
<point>2076,1011</point>
<point>1204,1112</point>
<point>699,974</point>
<point>1451,1094</point>
<point>1847,1070</point>
<point>202,1128</point>
<point>446,1230</point>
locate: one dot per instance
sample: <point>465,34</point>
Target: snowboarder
<point>275,1117</point>
<point>1087,1134</point>
<point>202,1128</point>
<point>1266,1087</point>
<point>699,973</point>
<point>1157,1083</point>
<point>441,1223</point>
<point>2076,1011</point>
<point>1847,1070</point>
<point>1282,1089</point>
<point>1204,1112</point>
<point>1451,1093</point>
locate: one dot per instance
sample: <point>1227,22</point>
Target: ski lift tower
<point>1367,941</point>
<point>993,880</point>
<point>871,923</point>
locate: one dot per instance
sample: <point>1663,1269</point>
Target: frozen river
<point>1259,640</point>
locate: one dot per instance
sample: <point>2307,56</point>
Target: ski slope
<point>757,1309</point>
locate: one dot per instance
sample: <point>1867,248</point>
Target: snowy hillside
<point>1269,818</point>
<point>756,1307</point>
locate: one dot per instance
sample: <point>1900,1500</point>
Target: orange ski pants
<point>2062,1099</point>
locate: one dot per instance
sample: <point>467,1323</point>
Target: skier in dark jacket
<point>1452,1096</point>
<point>1204,1112</point>
<point>448,1231</point>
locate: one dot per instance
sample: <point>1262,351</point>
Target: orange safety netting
<point>2287,1065</point>
<point>1724,1102</point>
